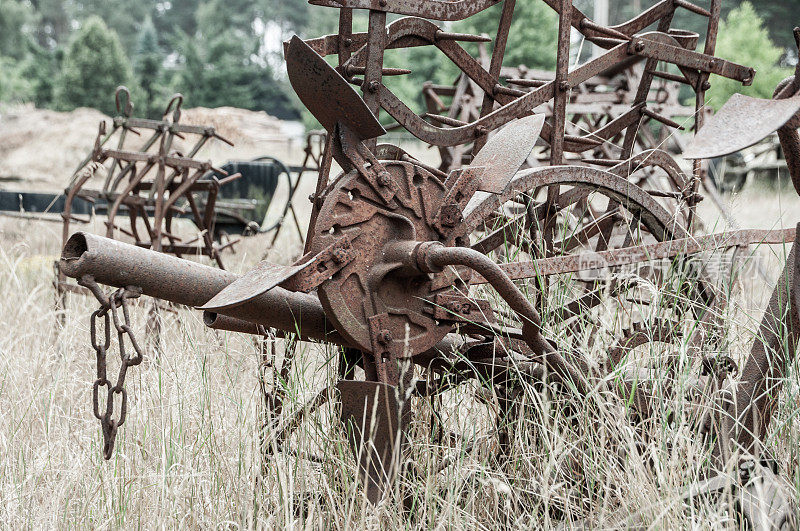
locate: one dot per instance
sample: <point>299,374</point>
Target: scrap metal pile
<point>400,256</point>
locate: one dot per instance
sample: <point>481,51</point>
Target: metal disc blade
<point>740,123</point>
<point>506,151</point>
<point>325,93</point>
<point>258,280</point>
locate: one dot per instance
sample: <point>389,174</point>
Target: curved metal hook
<point>127,108</point>
<point>177,101</point>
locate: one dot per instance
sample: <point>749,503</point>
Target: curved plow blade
<point>305,275</point>
<point>325,93</point>
<point>740,123</point>
<point>262,278</point>
<point>506,151</point>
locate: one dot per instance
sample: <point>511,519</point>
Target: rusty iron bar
<point>166,277</point>
<point>641,253</point>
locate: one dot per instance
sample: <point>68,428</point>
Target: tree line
<point>63,55</point>
<point>66,54</point>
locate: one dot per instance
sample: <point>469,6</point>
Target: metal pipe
<point>173,279</point>
<point>435,256</point>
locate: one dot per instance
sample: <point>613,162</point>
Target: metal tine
<point>360,70</point>
<point>583,140</point>
<point>500,89</point>
<point>692,7</point>
<point>608,40</point>
<point>528,82</point>
<point>663,119</point>
<point>602,162</point>
<point>444,120</point>
<point>611,32</point>
<point>671,77</point>
<point>465,37</point>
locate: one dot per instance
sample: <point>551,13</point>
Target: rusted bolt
<point>339,256</point>
<point>563,85</point>
<point>384,337</point>
<point>450,215</point>
<point>384,179</point>
<point>382,3</point>
<point>639,46</point>
<point>348,42</point>
<point>372,86</point>
<point>712,63</point>
<point>481,130</point>
<point>706,85</point>
<point>466,308</point>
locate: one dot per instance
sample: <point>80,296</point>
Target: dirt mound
<point>40,149</point>
<point>237,125</point>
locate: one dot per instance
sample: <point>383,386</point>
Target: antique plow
<point>395,247</point>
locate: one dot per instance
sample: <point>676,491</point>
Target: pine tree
<point>93,67</point>
<point>147,66</point>
<point>220,64</point>
<point>744,40</point>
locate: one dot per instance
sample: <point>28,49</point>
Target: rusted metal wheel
<point>595,211</point>
<point>373,287</point>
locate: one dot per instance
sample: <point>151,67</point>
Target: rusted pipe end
<point>210,318</point>
<point>74,250</point>
<point>216,321</point>
<point>75,247</point>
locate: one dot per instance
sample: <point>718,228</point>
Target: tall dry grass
<point>189,454</point>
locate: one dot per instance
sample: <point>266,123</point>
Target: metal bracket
<point>321,267</point>
<point>459,308</point>
<point>385,349</point>
<point>354,152</point>
<point>462,185</point>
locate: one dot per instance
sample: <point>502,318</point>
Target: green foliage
<point>41,68</point>
<point>14,16</point>
<point>223,52</point>
<point>93,67</point>
<point>779,17</point>
<point>221,66</point>
<point>14,86</point>
<point>744,39</point>
<point>122,16</point>
<point>147,68</point>
<point>533,36</point>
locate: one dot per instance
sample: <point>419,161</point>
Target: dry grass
<point>188,455</point>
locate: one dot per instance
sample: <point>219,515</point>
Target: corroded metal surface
<point>734,128</point>
<point>394,245</point>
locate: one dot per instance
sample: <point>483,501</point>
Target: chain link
<point>109,313</point>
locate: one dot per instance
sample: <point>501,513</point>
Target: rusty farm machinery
<point>426,278</point>
<point>143,184</point>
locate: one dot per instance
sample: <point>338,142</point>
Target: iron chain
<point>109,313</point>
